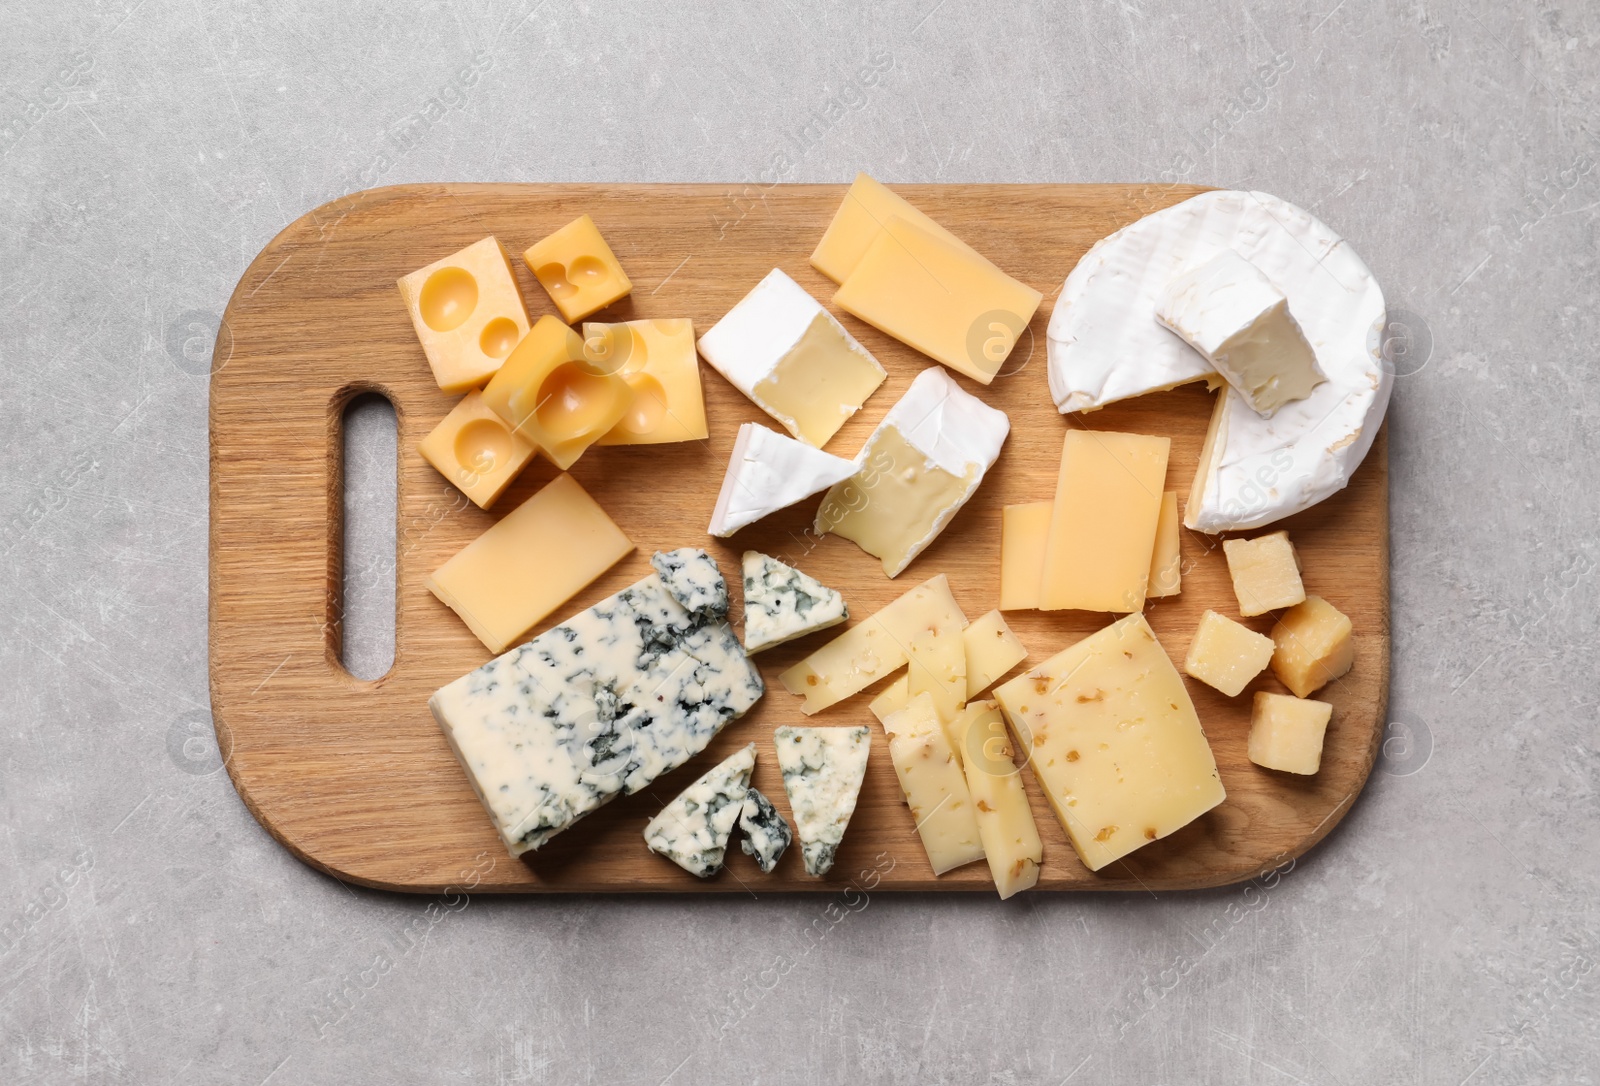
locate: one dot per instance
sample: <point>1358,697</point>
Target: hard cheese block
<point>530,562</point>
<point>1226,655</point>
<point>935,790</point>
<point>1265,573</point>
<point>781,603</point>
<point>694,829</point>
<point>1006,828</point>
<point>793,359</point>
<point>822,773</point>
<point>1287,733</point>
<point>1166,562</point>
<point>477,450</point>
<point>1111,734</point>
<point>468,313</point>
<point>1024,535</point>
<point>1313,644</point>
<point>873,649</point>
<point>599,705</point>
<point>867,207</point>
<point>578,269</point>
<point>953,306</point>
<point>1103,524</point>
<point>658,360</point>
<point>920,466</point>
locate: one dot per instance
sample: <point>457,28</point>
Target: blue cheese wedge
<point>766,832</point>
<point>691,575</point>
<point>822,772</point>
<point>693,830</point>
<point>781,603</point>
<point>598,706</point>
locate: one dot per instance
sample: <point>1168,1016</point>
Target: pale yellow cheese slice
<point>933,784</point>
<point>992,650</point>
<point>1006,827</point>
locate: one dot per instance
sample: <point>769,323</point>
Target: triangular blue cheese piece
<point>822,771</point>
<point>781,603</point>
<point>766,833</point>
<point>692,577</point>
<point>693,830</point>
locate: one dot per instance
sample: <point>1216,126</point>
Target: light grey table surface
<point>151,931</point>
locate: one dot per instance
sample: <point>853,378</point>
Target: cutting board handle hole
<point>363,618</point>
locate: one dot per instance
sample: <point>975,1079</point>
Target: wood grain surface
<point>355,778</point>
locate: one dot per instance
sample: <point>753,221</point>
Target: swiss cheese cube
<point>578,269</point>
<point>468,313</point>
<point>1286,733</point>
<point>1024,531</point>
<point>658,360</point>
<point>476,450</point>
<point>1112,736</point>
<point>1225,654</point>
<point>1103,524</point>
<point>1265,573</point>
<point>1313,644</point>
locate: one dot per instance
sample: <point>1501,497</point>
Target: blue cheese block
<point>766,834</point>
<point>694,580</point>
<point>693,830</point>
<point>781,603</point>
<point>822,772</point>
<point>600,705</point>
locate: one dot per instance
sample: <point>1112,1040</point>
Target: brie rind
<point>954,433</point>
<point>769,471</point>
<point>1105,345</point>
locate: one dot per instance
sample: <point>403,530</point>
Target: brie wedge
<point>919,467</point>
<point>1231,313</point>
<point>797,363</point>
<point>1106,345</point>
<point>769,471</point>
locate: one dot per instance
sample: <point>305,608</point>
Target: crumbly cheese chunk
<point>766,832</point>
<point>822,772</point>
<point>693,830</point>
<point>691,575</point>
<point>781,603</point>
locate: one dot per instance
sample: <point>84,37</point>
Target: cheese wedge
<point>693,830</point>
<point>822,773</point>
<point>769,471</point>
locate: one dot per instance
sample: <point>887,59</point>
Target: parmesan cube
<point>1226,655</point>
<point>1312,646</point>
<point>1286,733</point>
<point>1265,572</point>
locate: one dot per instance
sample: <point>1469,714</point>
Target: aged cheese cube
<point>1265,572</point>
<point>476,450</point>
<point>658,360</point>
<point>1103,525</point>
<point>554,396</point>
<point>992,650</point>
<point>933,784</point>
<point>1312,646</point>
<point>1286,733</point>
<point>1024,531</point>
<point>1226,655</point>
<point>1005,819</point>
<point>578,269</point>
<point>1166,564</point>
<point>468,313</point>
<point>529,562</point>
<point>1112,736</point>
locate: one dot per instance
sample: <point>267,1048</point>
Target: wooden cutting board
<point>355,778</point>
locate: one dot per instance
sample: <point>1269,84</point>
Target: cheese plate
<point>356,778</point>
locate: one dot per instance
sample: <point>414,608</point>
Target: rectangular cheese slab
<point>935,790</point>
<point>598,706</point>
<point>1111,735</point>
<point>1005,819</point>
<point>1024,533</point>
<point>860,219</point>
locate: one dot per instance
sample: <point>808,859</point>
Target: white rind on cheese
<point>766,832</point>
<point>822,773</point>
<point>597,706</point>
<point>769,471</point>
<point>694,829</point>
<point>781,603</point>
<point>1105,345</point>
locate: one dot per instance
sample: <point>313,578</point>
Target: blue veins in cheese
<point>781,603</point>
<point>822,772</point>
<point>766,833</point>
<point>596,707</point>
<point>692,577</point>
<point>693,830</point>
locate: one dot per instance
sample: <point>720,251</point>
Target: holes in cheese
<point>578,269</point>
<point>476,450</point>
<point>657,359</point>
<point>467,312</point>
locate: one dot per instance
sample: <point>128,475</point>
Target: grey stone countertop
<point>152,932</point>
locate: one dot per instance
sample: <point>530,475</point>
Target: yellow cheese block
<point>1024,532</point>
<point>468,313</point>
<point>953,306</point>
<point>858,222</point>
<point>1313,644</point>
<point>1225,654</point>
<point>1112,736</point>
<point>477,450</point>
<point>577,269</point>
<point>1166,564</point>
<point>554,396</point>
<point>531,561</point>
<point>992,650</point>
<point>1006,827</point>
<point>1265,573</point>
<point>1103,525</point>
<point>1286,733</point>
<point>658,360</point>
<point>873,649</point>
<point>937,667</point>
<point>933,784</point>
